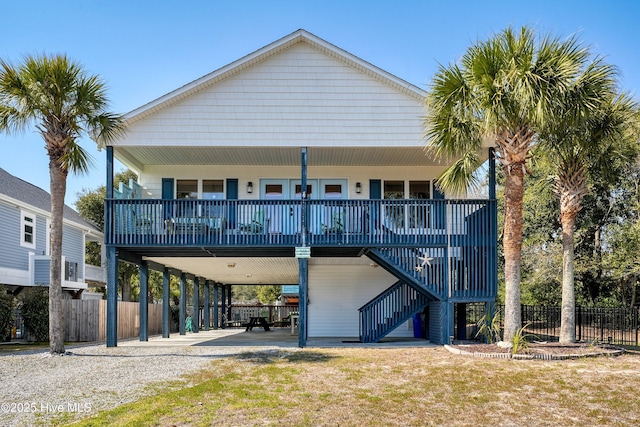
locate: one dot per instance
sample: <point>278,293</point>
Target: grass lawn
<point>391,386</point>
<point>9,348</point>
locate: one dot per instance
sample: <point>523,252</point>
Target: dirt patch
<point>537,350</point>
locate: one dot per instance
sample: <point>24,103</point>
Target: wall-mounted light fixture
<point>249,187</point>
<point>358,188</point>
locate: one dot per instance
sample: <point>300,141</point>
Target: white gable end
<point>298,97</point>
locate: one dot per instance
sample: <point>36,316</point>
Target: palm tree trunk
<point>126,285</point>
<point>512,242</point>
<point>58,180</point>
<point>568,311</point>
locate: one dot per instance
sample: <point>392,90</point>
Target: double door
<point>285,217</point>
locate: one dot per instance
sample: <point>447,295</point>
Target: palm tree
<point>592,131</point>
<point>63,102</point>
<point>502,93</point>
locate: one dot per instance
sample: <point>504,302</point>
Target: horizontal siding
<point>12,255</point>
<point>16,257</point>
<point>151,177</point>
<point>298,95</point>
<point>337,292</point>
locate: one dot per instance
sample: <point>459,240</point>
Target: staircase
<point>422,277</point>
<point>423,268</point>
<point>390,309</point>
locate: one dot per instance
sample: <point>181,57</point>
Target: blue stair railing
<point>390,309</point>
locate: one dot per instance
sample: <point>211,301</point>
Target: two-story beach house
<point>24,241</point>
<point>300,164</point>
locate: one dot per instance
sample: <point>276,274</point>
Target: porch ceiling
<point>251,271</point>
<point>138,157</point>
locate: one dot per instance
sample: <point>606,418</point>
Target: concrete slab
<point>276,338</point>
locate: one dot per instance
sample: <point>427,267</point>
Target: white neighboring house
<point>25,220</point>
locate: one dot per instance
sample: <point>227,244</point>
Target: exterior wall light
<point>249,187</point>
<point>358,188</point>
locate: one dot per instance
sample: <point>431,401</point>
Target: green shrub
<point>35,313</point>
<point>6,316</point>
<point>489,327</point>
<point>521,340</point>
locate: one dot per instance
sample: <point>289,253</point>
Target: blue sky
<point>144,49</point>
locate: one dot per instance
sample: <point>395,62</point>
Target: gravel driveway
<point>36,388</point>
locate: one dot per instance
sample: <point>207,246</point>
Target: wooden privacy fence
<point>86,320</point>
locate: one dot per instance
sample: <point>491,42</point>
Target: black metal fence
<point>615,325</point>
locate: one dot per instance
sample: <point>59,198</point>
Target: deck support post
<point>112,261</point>
<point>216,322</point>
<point>223,301</point>
<point>440,322</point>
<point>304,226</point>
<point>112,297</point>
<point>196,305</point>
<point>183,303</point>
<point>207,306</point>
<point>166,310</point>
<point>303,280</point>
<point>228,302</point>
<point>144,301</point>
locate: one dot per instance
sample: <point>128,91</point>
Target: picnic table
<point>258,321</point>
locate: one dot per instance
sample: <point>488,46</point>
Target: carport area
<point>276,338</point>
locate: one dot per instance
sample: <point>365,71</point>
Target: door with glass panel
<point>331,218</point>
<point>419,210</point>
<point>270,213</point>
<point>186,189</point>
<point>212,207</point>
<point>402,216</point>
<point>293,220</point>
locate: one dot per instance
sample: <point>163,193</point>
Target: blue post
<point>196,304</point>
<point>112,297</point>
<point>223,311</point>
<point>183,303</point>
<point>216,321</point>
<point>303,191</point>
<point>109,166</point>
<point>207,305</point>
<point>229,294</point>
<point>108,214</point>
<point>112,263</point>
<point>166,309</point>
<point>144,301</point>
<point>303,278</point>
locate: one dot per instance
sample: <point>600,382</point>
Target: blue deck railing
<point>264,223</point>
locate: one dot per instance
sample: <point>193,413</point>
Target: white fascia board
<point>74,285</point>
<point>12,276</point>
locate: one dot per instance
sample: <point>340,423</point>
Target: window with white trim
<point>27,230</point>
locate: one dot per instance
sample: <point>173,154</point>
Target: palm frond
<point>76,159</point>
<point>459,178</point>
